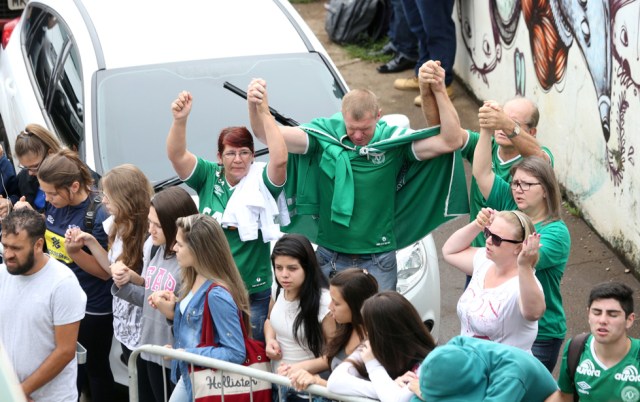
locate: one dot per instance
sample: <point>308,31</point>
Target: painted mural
<point>580,61</point>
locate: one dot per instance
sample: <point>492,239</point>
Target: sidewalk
<point>591,260</point>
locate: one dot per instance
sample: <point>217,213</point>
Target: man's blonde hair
<point>358,103</point>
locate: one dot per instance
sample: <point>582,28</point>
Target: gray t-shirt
<point>30,308</point>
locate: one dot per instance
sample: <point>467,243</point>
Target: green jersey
<point>501,169</point>
<point>374,198</point>
<point>374,180</point>
<point>554,254</point>
<point>595,382</point>
<point>253,258</point>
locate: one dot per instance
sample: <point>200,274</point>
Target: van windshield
<point>133,113</point>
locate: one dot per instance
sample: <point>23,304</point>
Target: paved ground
<point>591,261</point>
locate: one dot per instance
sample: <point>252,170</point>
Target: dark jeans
<point>159,379</point>
<point>259,310</point>
<point>95,335</point>
<point>146,390</point>
<point>383,266</point>
<point>547,352</point>
<point>403,40</point>
<point>431,22</point>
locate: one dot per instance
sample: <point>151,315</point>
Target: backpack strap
<point>95,200</point>
<point>576,347</point>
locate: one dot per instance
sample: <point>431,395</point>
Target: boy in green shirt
<point>607,369</point>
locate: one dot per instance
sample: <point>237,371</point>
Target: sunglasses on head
<point>497,240</point>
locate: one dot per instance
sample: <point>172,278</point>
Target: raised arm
<point>495,118</point>
<point>294,137</point>
<point>481,166</point>
<point>532,304</point>
<point>277,167</point>
<point>182,160</point>
<point>457,250</point>
<point>452,136</point>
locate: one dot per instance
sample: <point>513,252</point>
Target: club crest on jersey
<point>377,159</point>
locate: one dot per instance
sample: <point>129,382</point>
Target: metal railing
<point>201,361</point>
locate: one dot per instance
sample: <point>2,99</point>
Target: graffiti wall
<point>579,60</point>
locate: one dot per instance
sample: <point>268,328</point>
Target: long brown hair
<point>398,337</point>
<point>355,285</point>
<point>171,204</point>
<point>130,192</point>
<point>213,260</point>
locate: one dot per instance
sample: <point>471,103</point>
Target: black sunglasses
<point>497,240</point>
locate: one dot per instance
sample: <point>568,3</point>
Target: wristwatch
<point>515,132</point>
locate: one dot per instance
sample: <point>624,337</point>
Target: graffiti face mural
<point>481,40</point>
<point>625,38</point>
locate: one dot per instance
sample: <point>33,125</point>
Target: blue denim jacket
<point>187,329</point>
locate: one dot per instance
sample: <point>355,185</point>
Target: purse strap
<point>208,333</point>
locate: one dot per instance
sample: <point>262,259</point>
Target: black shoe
<point>388,48</point>
<point>397,64</point>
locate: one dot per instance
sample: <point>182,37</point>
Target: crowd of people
<point>86,261</point>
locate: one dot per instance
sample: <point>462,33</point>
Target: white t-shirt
<point>494,313</point>
<point>283,315</point>
<point>30,307</point>
<point>126,316</point>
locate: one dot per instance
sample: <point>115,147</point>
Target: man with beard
<point>41,305</point>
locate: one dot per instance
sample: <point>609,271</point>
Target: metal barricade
<point>201,361</point>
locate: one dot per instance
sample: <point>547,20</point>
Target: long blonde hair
<point>129,190</point>
<point>205,239</point>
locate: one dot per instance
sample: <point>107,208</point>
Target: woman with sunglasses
<point>504,300</point>
<point>533,190</point>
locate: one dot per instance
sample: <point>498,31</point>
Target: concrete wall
<point>580,61</point>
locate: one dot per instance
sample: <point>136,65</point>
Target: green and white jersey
<point>371,229</point>
<point>253,258</point>
<point>554,254</point>
<point>501,169</point>
<point>598,383</point>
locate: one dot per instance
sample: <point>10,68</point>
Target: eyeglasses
<point>230,155</point>
<point>524,186</point>
<point>497,240</point>
<point>32,169</point>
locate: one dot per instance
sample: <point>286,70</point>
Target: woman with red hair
<point>231,190</point>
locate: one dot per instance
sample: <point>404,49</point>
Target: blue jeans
<point>547,350</point>
<point>403,40</point>
<point>431,22</point>
<point>259,310</point>
<point>383,266</point>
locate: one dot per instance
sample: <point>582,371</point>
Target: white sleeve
<point>386,388</point>
<point>345,380</point>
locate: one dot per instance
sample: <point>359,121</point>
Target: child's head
<point>166,207</point>
<point>291,249</point>
<point>349,289</point>
<point>399,339</point>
